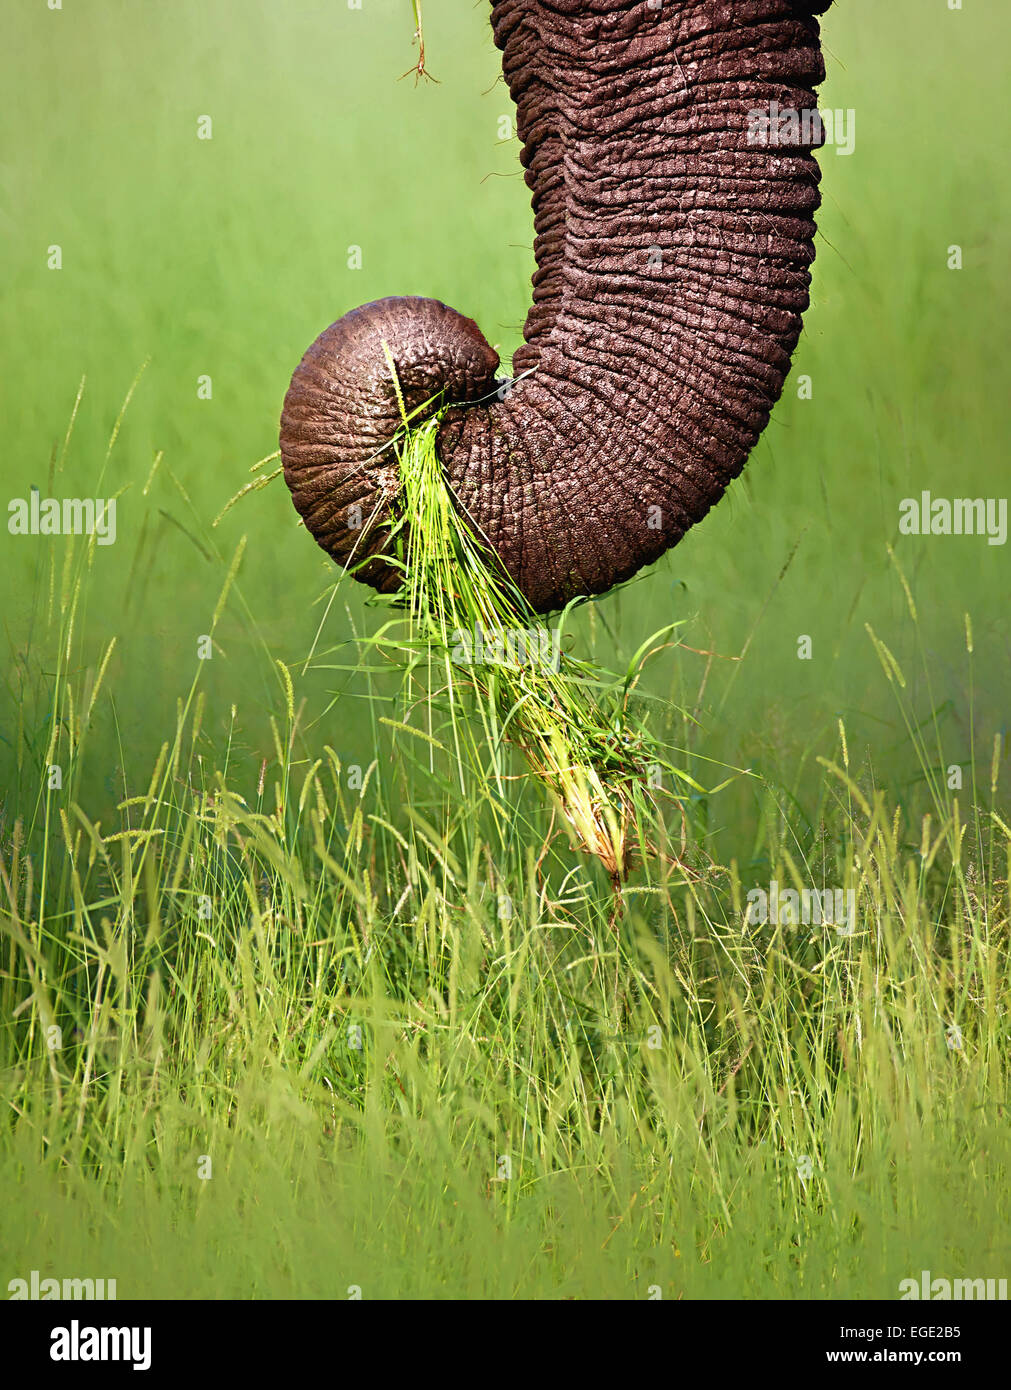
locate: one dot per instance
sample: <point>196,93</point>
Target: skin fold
<point>673,254</point>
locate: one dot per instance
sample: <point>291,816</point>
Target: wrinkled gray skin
<point>673,266</point>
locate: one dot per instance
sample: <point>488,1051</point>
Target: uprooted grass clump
<point>508,680</point>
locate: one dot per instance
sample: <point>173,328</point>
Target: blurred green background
<point>227,256</point>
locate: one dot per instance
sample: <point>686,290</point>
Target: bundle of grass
<point>574,723</point>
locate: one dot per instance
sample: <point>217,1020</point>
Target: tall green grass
<point>348,1025</point>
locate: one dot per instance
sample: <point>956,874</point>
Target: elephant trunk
<point>674,238</point>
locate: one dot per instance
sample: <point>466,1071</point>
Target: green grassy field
<point>293,999</point>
